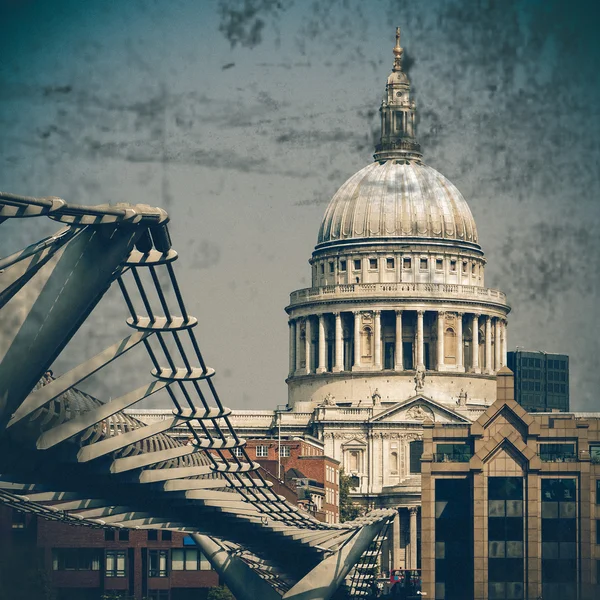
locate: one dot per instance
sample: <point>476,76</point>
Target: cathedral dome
<point>397,196</point>
<point>397,199</point>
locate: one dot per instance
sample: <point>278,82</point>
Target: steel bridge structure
<point>66,454</point>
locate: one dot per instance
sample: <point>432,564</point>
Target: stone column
<point>488,344</point>
<point>377,340</point>
<point>497,344</point>
<point>420,340</point>
<point>292,325</point>
<point>298,341</point>
<point>440,340</point>
<point>398,344</point>
<point>475,342</point>
<point>504,341</point>
<point>339,344</point>
<point>322,358</point>
<point>395,545</point>
<point>356,341</point>
<point>308,345</point>
<point>459,342</point>
<point>413,536</point>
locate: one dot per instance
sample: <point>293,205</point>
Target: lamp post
<point>278,410</point>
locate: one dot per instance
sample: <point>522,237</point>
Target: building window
<point>158,563</point>
<point>18,519</point>
<point>115,563</point>
<point>158,594</point>
<point>166,535</point>
<point>557,452</point>
<point>453,265</point>
<point>123,535</point>
<point>416,450</point>
<point>439,264</point>
<point>331,268</point>
<point>343,266</point>
<point>423,264</point>
<point>152,535</point>
<point>559,538</point>
<point>406,263</point>
<point>238,452</point>
<point>464,267</point>
<point>75,559</point>
<point>322,268</point>
<point>357,264</point>
<point>285,451</point>
<point>372,263</point>
<point>262,451</point>
<point>109,535</point>
<point>390,263</point>
<point>189,559</point>
<point>473,268</point>
<point>452,453</point>
<point>505,537</point>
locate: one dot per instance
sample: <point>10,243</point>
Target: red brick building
<point>82,563</point>
<point>305,468</point>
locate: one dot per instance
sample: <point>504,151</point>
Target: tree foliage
<point>348,509</point>
<point>220,593</point>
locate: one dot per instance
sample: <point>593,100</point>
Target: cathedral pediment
<point>354,443</point>
<point>418,409</point>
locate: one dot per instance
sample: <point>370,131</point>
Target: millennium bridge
<point>67,455</point>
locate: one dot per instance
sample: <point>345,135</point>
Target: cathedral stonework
<point>397,332</point>
<point>400,329</point>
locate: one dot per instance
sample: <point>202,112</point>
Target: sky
<point>242,118</point>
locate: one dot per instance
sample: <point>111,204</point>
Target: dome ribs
<point>397,199</point>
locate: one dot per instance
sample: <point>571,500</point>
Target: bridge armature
<point>67,455</point>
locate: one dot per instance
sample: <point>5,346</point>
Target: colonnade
<point>402,553</point>
<point>368,323</point>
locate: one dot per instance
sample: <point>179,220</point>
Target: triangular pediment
<point>354,443</point>
<point>418,409</point>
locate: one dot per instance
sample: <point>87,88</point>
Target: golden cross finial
<point>397,52</point>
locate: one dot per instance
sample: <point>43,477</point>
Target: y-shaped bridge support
<point>318,584</point>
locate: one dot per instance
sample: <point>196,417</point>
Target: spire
<point>398,51</point>
<point>398,113</point>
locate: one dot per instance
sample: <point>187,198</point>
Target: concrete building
<point>398,326</point>
<point>541,380</point>
<point>511,505</point>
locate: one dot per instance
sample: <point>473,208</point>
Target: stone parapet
<point>398,291</point>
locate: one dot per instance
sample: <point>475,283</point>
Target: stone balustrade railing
<point>404,290</point>
<point>343,413</point>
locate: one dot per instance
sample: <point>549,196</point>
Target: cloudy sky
<point>242,118</point>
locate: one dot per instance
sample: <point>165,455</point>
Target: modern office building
<point>511,505</point>
<point>541,380</point>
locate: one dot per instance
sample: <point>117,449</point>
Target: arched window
<point>450,346</point>
<point>482,348</point>
<point>367,345</point>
